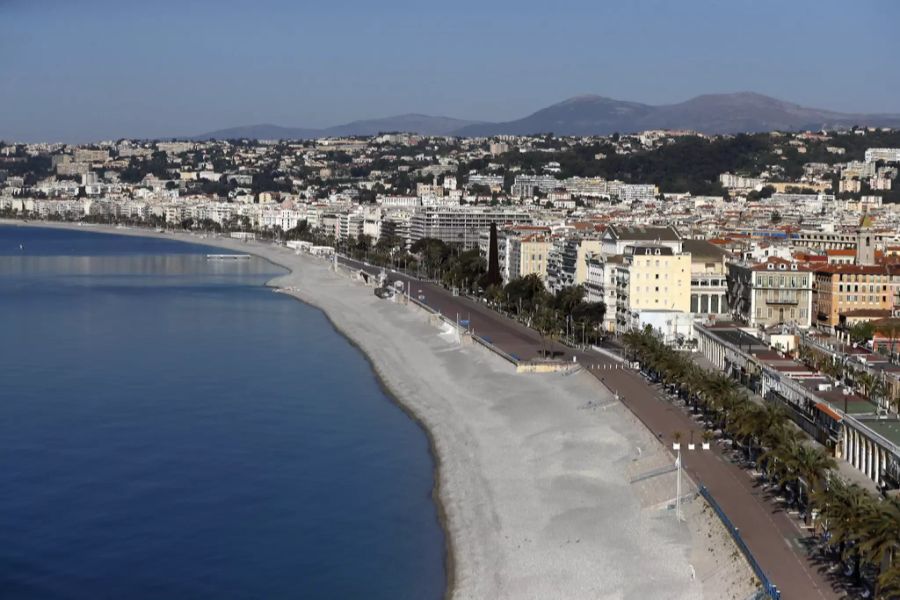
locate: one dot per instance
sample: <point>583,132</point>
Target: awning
<point>829,411</point>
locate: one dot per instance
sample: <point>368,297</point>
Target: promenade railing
<point>768,587</point>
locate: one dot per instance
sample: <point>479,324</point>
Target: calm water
<point>169,428</point>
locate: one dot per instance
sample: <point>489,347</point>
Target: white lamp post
<point>676,446</point>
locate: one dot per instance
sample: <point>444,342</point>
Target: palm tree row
<point>857,526</point>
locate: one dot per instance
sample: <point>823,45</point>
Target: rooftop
<point>701,249</point>
<point>889,428</point>
<point>640,233</point>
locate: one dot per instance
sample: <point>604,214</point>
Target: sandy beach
<point>533,471</point>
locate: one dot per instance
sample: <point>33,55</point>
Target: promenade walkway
<point>774,538</point>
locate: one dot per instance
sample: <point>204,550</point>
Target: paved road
<point>773,537</point>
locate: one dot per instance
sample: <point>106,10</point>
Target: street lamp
<point>679,467</point>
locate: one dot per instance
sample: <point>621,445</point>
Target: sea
<point>172,428</point>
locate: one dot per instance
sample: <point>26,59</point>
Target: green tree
<point>862,332</point>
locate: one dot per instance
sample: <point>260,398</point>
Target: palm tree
<point>881,536</point>
<point>545,323</point>
<point>877,391</point>
<point>781,448</point>
<point>892,330</point>
<point>762,426</point>
<point>864,381</point>
<point>810,464</point>
<point>727,405</point>
<point>633,341</point>
<point>805,355</point>
<point>889,583</point>
<point>845,508</point>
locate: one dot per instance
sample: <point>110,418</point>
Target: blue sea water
<point>171,428</point>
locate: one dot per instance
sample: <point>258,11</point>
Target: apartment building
<point>883,154</point>
<point>731,181</point>
<point>528,255</point>
<point>87,155</point>
<point>651,277</point>
<point>709,285</point>
<point>843,291</point>
<point>460,225</point>
<point>773,292</point>
<point>600,286</point>
<point>638,192</point>
<point>567,261</point>
<point>824,240</point>
<point>526,185</point>
<point>492,182</point>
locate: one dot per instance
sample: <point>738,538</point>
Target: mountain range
<point>598,115</point>
<point>411,123</point>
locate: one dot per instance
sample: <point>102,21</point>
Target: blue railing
<point>768,587</point>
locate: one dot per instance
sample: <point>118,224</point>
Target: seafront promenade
<point>774,538</point>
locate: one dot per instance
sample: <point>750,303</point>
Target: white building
<point>883,154</point>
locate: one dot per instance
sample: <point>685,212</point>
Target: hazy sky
<point>77,70</point>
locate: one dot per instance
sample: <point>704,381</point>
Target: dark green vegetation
<point>563,315</point>
<point>683,164</point>
<point>693,164</point>
<point>857,528</point>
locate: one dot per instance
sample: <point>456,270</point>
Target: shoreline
<point>449,562</point>
<point>474,531</point>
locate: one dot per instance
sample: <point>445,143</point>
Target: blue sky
<point>80,70</point>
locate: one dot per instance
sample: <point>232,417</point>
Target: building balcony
<point>783,301</point>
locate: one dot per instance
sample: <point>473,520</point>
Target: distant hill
<point>410,123</point>
<point>750,112</point>
<point>711,113</point>
<point>264,131</point>
<point>597,115</point>
<point>582,115</point>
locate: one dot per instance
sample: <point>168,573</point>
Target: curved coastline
<point>530,490</point>
<point>407,408</point>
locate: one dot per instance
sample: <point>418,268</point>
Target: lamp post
<point>679,467</point>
